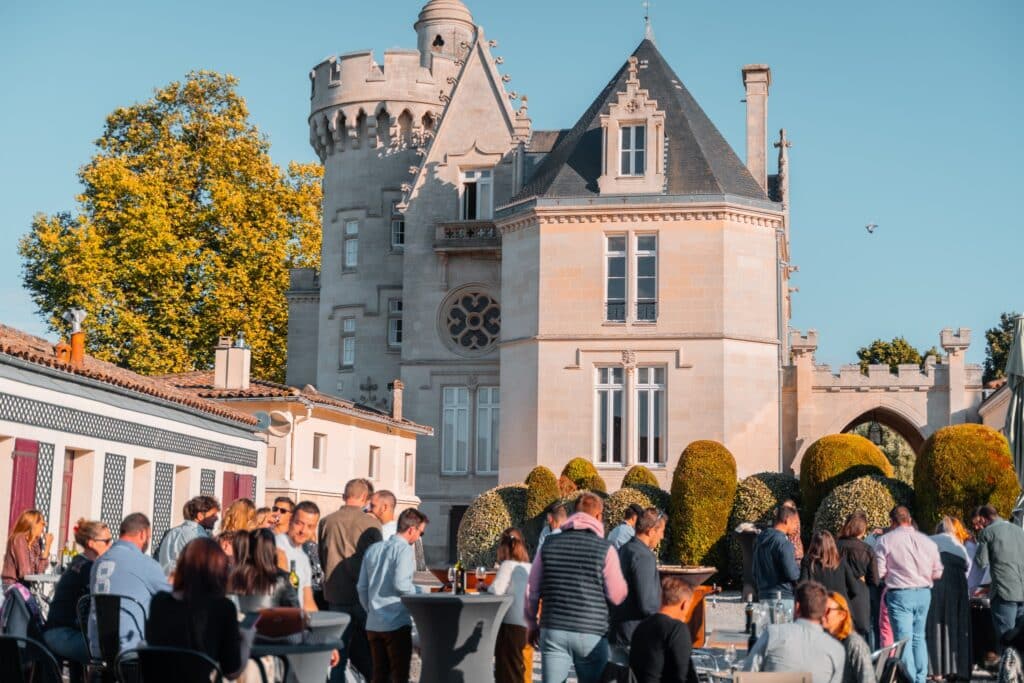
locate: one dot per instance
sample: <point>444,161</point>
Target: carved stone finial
<point>633,67</point>
<point>506,78</point>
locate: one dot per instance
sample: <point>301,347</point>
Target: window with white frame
<point>632,150</point>
<point>348,342</point>
<point>373,471</point>
<point>646,269</point>
<point>488,413</point>
<point>319,451</point>
<point>397,226</point>
<point>395,323</point>
<point>615,278</point>
<point>650,415</point>
<point>351,246</point>
<point>609,413</point>
<point>455,430</point>
<point>477,195</point>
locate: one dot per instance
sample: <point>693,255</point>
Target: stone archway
<point>894,421</point>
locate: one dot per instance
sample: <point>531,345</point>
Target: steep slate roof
<point>698,159</point>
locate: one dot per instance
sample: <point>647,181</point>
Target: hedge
<point>873,494</point>
<point>638,475</point>
<point>757,496</point>
<point>703,489</point>
<point>488,515</point>
<point>836,459</point>
<point>579,469</point>
<point>595,483</point>
<point>566,486</point>
<point>541,491</point>
<point>962,466</point>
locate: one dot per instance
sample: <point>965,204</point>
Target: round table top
<point>42,578</point>
<point>262,649</point>
<point>325,619</point>
<point>449,597</point>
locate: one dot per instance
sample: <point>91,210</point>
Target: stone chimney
<point>231,364</point>
<point>756,79</point>
<point>397,389</point>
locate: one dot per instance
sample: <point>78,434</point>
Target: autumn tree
<point>998,340</point>
<point>185,231</point>
<point>892,353</point>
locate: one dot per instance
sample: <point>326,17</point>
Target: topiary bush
<point>836,459</point>
<point>541,491</point>
<point>873,494</point>
<point>757,496</point>
<point>638,475</point>
<point>579,469</point>
<point>962,466</point>
<point>566,487</point>
<point>488,515</point>
<point>703,489</point>
<point>595,483</point>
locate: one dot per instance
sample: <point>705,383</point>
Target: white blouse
<point>511,579</point>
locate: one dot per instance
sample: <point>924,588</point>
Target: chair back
<point>23,660</point>
<point>880,657</point>
<point>109,609</point>
<point>772,677</point>
<point>161,664</point>
<point>14,616</point>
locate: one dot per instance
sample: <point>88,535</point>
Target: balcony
<point>466,237</point>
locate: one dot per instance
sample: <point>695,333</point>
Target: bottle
<point>293,577</point>
<point>748,613</point>
<point>460,578</point>
<point>753,636</point>
<point>778,609</point>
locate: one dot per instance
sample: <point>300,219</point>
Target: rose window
<point>472,321</point>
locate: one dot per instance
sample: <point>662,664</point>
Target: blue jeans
<point>908,613</point>
<point>588,652</point>
<point>1004,616</point>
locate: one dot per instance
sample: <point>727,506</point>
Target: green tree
<point>893,353</point>
<point>185,231</point>
<point>998,340</point>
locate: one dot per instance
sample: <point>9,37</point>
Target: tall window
<point>395,323</point>
<point>650,415</point>
<point>477,195</point>
<point>351,245</point>
<point>373,471</point>
<point>632,150</point>
<point>646,277</point>
<point>397,226</point>
<point>348,342</point>
<point>488,409</point>
<point>319,451</point>
<point>609,411</point>
<point>455,430</point>
<point>615,287</point>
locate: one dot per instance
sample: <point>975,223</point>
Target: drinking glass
<point>53,562</point>
<point>451,577</point>
<point>481,574</point>
<point>730,655</point>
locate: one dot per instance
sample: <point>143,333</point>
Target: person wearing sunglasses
<point>281,513</point>
<point>62,632</point>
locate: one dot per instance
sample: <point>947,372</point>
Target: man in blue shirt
<point>200,517</point>
<point>626,530</point>
<point>386,575</point>
<point>127,570</point>
<point>774,564</point>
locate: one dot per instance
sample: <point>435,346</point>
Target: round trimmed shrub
<point>488,515</point>
<point>962,466</point>
<point>579,469</point>
<point>566,486</point>
<point>595,483</point>
<point>541,491</point>
<point>874,494</point>
<point>836,459</point>
<point>638,475</point>
<point>703,489</point>
<point>757,496</point>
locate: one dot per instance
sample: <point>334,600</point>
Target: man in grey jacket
<point>1001,548</point>
<point>640,568</point>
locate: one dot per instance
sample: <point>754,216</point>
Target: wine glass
<point>53,562</point>
<point>451,578</point>
<point>730,655</point>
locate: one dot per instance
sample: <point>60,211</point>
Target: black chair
<point>157,664</point>
<point>23,660</point>
<point>109,610</point>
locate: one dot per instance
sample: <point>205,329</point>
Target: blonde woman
<point>240,516</point>
<point>28,548</point>
<point>263,519</point>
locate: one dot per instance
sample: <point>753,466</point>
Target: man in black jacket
<point>775,567</point>
<point>640,568</point>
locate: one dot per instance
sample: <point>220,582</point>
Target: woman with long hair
<point>513,574</point>
<point>63,632</point>
<point>240,516</point>
<point>854,552</point>
<point>257,582</point>
<point>948,629</point>
<point>263,519</point>
<point>839,623</point>
<point>28,548</point>
<point>197,615</point>
<point>821,563</point>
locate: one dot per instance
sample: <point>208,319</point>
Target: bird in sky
<point>870,227</point>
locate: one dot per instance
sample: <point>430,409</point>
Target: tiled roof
<point>200,383</point>
<point>698,159</point>
<point>39,351</point>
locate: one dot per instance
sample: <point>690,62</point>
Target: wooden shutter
<point>246,486</point>
<point>23,478</point>
<point>231,488</point>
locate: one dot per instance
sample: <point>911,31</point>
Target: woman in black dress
<point>821,563</point>
<point>257,582</point>
<point>857,554</point>
<point>948,629</point>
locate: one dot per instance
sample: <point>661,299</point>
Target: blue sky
<point>905,114</point>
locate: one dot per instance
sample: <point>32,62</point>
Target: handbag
<point>282,624</point>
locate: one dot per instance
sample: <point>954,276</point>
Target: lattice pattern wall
<point>41,414</point>
<point>44,479</point>
<point>252,494</point>
<point>163,494</point>
<point>207,482</point>
<point>112,504</point>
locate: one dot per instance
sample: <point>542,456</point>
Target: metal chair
<point>880,657</point>
<point>108,610</point>
<point>160,664</point>
<point>27,661</point>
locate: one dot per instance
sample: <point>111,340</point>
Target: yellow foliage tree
<point>185,231</point>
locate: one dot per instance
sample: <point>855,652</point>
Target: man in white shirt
<point>301,528</point>
<point>382,506</point>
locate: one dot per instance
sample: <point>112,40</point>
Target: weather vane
<point>648,30</point>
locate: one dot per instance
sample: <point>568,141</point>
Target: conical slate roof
<point>698,159</point>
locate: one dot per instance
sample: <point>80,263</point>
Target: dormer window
<point>632,150</point>
<point>477,195</point>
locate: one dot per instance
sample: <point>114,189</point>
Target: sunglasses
<point>283,511</point>
<point>104,541</point>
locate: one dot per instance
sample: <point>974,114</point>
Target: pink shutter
<point>246,483</point>
<point>23,478</point>
<point>230,493</point>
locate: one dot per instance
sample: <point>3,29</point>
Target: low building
<point>315,442</point>
<point>80,437</point>
<point>992,410</point>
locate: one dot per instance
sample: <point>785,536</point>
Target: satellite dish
<point>262,420</point>
<point>280,424</point>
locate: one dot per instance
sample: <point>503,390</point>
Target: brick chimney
<point>756,79</point>
<point>231,364</point>
<point>397,389</point>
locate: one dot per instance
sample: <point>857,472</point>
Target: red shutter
<point>246,483</point>
<point>23,478</point>
<point>230,492</point>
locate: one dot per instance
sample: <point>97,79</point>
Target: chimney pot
<point>397,389</point>
<point>756,80</point>
<point>231,363</point>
